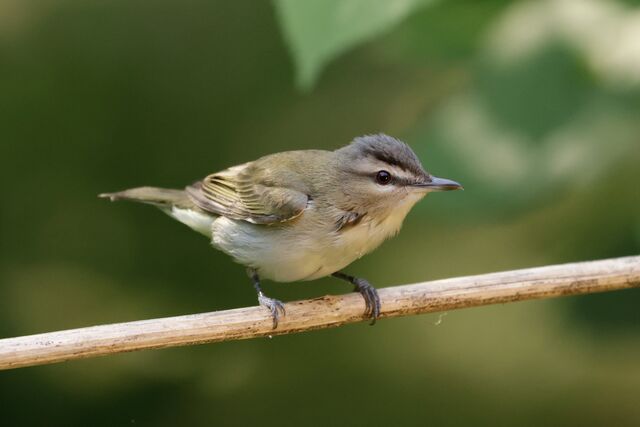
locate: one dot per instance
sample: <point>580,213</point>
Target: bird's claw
<point>276,307</point>
<point>371,299</point>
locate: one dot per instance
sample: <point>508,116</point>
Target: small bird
<point>303,215</point>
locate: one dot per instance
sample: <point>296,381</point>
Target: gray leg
<point>273,305</point>
<point>368,292</point>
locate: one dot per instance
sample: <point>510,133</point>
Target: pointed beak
<point>438,184</point>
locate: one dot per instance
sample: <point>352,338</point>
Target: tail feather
<point>175,203</point>
<point>163,197</point>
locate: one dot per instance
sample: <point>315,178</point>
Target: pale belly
<point>286,252</point>
<point>284,255</point>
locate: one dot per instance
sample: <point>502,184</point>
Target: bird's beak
<point>438,184</point>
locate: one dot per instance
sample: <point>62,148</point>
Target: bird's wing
<point>242,193</point>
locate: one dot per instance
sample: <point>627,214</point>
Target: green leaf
<point>539,93</point>
<point>318,31</point>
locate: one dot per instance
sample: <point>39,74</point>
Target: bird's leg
<point>368,292</point>
<point>273,305</point>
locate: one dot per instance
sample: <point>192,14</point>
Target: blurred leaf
<point>447,31</point>
<point>502,166</point>
<point>528,128</point>
<point>539,93</point>
<point>318,31</point>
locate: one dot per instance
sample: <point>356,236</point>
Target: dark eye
<point>383,177</point>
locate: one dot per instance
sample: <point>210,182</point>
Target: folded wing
<point>243,193</point>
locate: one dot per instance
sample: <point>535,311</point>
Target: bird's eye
<point>383,177</point>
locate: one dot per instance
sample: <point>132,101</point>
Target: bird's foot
<point>371,298</point>
<point>368,292</point>
<point>276,307</point>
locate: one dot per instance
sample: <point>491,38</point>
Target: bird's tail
<point>175,203</point>
<point>161,197</point>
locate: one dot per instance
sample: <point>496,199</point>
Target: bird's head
<point>383,175</point>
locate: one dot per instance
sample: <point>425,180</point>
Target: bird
<point>302,215</point>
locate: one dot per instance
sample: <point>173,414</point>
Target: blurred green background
<point>534,106</point>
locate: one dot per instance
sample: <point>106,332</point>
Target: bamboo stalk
<point>324,312</point>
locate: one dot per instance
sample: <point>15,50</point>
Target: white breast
<point>283,253</point>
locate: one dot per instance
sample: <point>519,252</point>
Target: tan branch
<point>324,312</point>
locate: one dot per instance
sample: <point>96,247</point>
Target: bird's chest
<point>355,241</point>
<point>302,251</point>
<point>336,250</point>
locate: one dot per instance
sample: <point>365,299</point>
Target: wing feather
<point>244,193</point>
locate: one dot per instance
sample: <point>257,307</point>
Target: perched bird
<point>302,215</point>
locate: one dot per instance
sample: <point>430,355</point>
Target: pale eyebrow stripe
<point>396,177</point>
